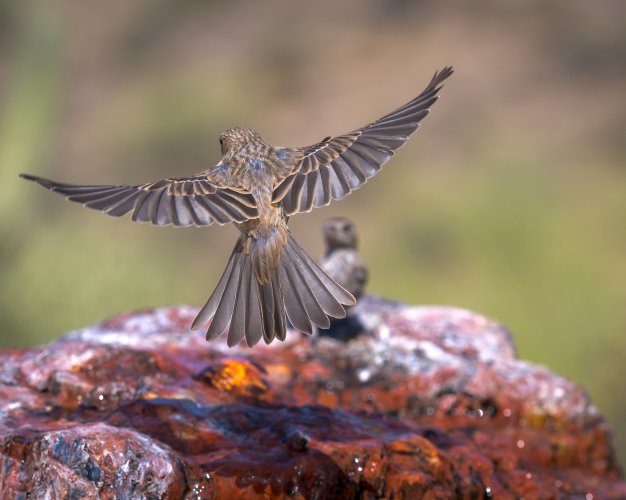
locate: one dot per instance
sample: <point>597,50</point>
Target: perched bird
<point>341,260</point>
<point>257,187</point>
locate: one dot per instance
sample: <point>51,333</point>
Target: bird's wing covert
<point>190,201</point>
<point>333,168</point>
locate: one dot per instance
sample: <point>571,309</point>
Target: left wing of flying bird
<point>334,167</point>
<point>190,201</point>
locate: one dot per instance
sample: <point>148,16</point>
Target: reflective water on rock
<point>426,402</point>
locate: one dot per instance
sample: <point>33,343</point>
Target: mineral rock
<point>428,402</point>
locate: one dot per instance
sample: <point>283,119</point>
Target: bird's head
<point>339,232</point>
<point>235,137</point>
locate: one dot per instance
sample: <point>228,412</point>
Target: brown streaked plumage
<point>341,260</point>
<point>257,187</point>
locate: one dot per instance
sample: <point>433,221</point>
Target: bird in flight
<point>257,187</point>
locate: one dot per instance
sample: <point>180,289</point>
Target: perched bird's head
<point>339,232</point>
<point>237,136</point>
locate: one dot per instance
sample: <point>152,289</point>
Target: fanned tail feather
<point>245,308</point>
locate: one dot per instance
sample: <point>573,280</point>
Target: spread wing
<point>191,201</point>
<point>334,167</point>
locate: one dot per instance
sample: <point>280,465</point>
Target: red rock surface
<point>429,403</point>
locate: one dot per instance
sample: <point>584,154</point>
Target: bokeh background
<point>511,199</point>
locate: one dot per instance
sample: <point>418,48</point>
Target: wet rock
<point>427,402</point>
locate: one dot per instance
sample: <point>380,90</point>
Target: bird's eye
<point>346,228</point>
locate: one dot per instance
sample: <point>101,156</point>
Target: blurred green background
<point>511,200</point>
